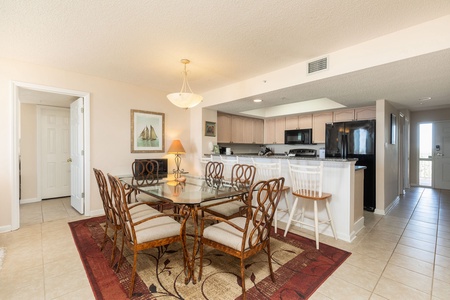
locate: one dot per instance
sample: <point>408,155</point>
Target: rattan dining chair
<point>145,230</point>
<point>243,237</point>
<point>112,217</point>
<point>213,174</point>
<point>307,182</point>
<point>242,176</point>
<point>145,172</point>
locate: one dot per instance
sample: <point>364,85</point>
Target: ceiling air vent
<point>318,65</point>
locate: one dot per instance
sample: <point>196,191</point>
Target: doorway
<point>425,154</point>
<point>17,88</point>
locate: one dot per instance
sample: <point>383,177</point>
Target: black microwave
<point>298,136</point>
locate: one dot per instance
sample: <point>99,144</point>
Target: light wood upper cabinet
<point>292,122</point>
<point>247,133</point>
<point>223,128</point>
<point>343,115</point>
<point>366,113</point>
<point>238,129</point>
<point>274,130</point>
<point>319,121</point>
<point>362,113</point>
<point>280,127</point>
<point>305,121</point>
<point>258,131</point>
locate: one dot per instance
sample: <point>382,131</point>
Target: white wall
<point>111,102</point>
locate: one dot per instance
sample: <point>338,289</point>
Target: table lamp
<point>177,148</point>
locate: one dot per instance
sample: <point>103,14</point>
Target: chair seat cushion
<point>141,211</point>
<point>146,198</point>
<point>227,209</point>
<point>226,234</point>
<point>155,229</point>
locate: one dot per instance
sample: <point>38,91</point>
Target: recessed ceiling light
<point>257,100</point>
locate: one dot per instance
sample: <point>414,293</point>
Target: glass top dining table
<point>193,192</point>
<point>189,196</point>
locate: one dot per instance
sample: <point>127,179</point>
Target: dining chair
<point>112,217</point>
<point>147,229</point>
<point>243,237</point>
<point>242,176</point>
<point>268,170</point>
<point>213,174</point>
<point>307,183</point>
<point>145,172</point>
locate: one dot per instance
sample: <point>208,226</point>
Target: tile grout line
<point>393,250</point>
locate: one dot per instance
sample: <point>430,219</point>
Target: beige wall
<point>111,102</point>
<point>418,117</point>
<point>387,158</point>
<point>28,144</point>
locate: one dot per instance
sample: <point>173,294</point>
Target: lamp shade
<point>185,100</point>
<point>176,148</point>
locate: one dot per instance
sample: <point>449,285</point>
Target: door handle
<point>439,154</point>
<point>69,159</point>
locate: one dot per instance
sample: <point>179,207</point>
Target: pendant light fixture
<point>185,98</point>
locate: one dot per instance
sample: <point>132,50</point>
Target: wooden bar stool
<point>269,170</point>
<point>307,185</point>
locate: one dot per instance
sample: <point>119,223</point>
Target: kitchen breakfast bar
<point>341,178</point>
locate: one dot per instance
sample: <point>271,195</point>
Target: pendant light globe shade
<point>185,98</point>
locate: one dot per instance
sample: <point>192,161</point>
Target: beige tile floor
<point>403,255</point>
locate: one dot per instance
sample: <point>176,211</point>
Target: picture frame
<point>210,128</point>
<point>393,129</point>
<point>146,131</point>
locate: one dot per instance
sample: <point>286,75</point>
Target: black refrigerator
<point>355,139</point>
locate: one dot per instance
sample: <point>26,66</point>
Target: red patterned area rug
<point>299,269</point>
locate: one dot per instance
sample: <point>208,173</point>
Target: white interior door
<point>55,145</point>
<point>77,155</point>
<point>441,138</point>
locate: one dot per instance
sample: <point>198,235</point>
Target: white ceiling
<point>141,42</point>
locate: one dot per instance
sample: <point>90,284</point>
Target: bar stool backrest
<point>306,179</point>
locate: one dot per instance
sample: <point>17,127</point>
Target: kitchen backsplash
<point>278,149</point>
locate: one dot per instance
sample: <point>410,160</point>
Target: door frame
<point>15,101</point>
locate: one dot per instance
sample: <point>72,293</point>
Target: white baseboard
<point>30,200</point>
<point>6,228</point>
<point>96,213</point>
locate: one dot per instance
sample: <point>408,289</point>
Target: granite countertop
<point>289,157</point>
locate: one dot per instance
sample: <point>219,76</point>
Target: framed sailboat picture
<point>147,132</point>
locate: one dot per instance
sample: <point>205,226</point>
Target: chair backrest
<point>306,179</point>
<point>145,172</point>
<point>267,170</point>
<point>118,196</point>
<point>265,195</point>
<point>242,175</point>
<point>214,173</point>
<point>108,205</point>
